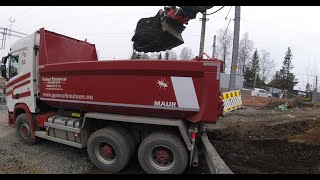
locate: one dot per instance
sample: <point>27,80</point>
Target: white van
<point>260,92</point>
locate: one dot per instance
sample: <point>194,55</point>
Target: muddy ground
<point>269,141</point>
<point>250,140</point>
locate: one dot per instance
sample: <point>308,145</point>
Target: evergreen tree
<point>248,76</point>
<point>255,65</point>
<point>288,80</point>
<point>253,71</point>
<point>276,82</point>
<point>160,56</point>
<point>166,55</point>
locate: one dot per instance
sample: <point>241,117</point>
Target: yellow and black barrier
<point>231,100</point>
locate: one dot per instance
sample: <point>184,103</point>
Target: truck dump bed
<point>72,77</point>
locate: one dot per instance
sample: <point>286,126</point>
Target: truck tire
<point>163,153</point>
<point>23,129</point>
<point>129,136</point>
<point>109,150</point>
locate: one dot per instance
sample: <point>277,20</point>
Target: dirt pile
<point>149,36</point>
<point>283,142</point>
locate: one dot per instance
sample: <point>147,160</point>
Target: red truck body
<point>72,77</point>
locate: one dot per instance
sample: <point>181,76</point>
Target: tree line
<point>257,66</point>
<point>185,54</point>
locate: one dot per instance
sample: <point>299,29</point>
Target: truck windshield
<point>13,66</point>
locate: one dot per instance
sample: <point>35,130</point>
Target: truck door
<point>18,85</point>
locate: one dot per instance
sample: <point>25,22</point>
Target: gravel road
<point>43,157</point>
<point>249,140</point>
<point>48,157</point>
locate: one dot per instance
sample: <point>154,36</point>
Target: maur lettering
<point>164,103</point>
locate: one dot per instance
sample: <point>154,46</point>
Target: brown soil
<point>149,36</point>
<point>267,141</point>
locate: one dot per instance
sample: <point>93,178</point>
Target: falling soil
<point>267,141</point>
<point>149,36</point>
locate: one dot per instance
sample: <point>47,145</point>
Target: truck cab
<point>19,68</point>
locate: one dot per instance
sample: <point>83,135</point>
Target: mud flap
<point>214,161</point>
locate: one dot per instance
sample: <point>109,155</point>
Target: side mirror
<point>4,60</point>
<point>3,71</point>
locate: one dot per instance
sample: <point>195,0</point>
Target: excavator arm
<point>163,31</point>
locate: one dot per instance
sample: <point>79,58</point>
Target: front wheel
<point>163,153</point>
<point>24,129</point>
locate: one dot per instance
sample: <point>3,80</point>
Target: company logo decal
<point>162,84</point>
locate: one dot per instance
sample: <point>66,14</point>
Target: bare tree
<point>246,48</point>
<point>134,55</point>
<point>171,55</point>
<point>224,45</point>
<point>145,56</point>
<point>266,65</point>
<point>186,53</point>
<point>154,55</point>
<point>166,55</point>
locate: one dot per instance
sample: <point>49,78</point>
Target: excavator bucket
<point>158,33</point>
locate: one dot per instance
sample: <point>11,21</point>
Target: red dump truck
<point>157,110</point>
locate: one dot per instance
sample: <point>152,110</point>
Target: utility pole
<point>5,32</point>
<point>203,32</point>
<point>255,79</point>
<point>235,49</point>
<point>4,38</point>
<point>11,22</point>
<point>214,46</point>
<point>315,91</point>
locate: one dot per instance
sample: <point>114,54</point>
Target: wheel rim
<point>25,130</point>
<point>162,158</point>
<point>105,152</point>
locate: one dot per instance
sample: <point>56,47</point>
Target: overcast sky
<point>111,28</point>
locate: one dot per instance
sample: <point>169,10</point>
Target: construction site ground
<point>249,140</point>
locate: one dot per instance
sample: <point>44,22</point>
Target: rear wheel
<point>23,129</point>
<point>163,153</point>
<point>109,150</point>
<point>129,136</point>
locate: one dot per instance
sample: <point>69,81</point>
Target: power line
<point>9,32</point>
<point>226,29</point>
<point>215,11</point>
<point>228,13</point>
<point>228,23</point>
<point>11,22</point>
